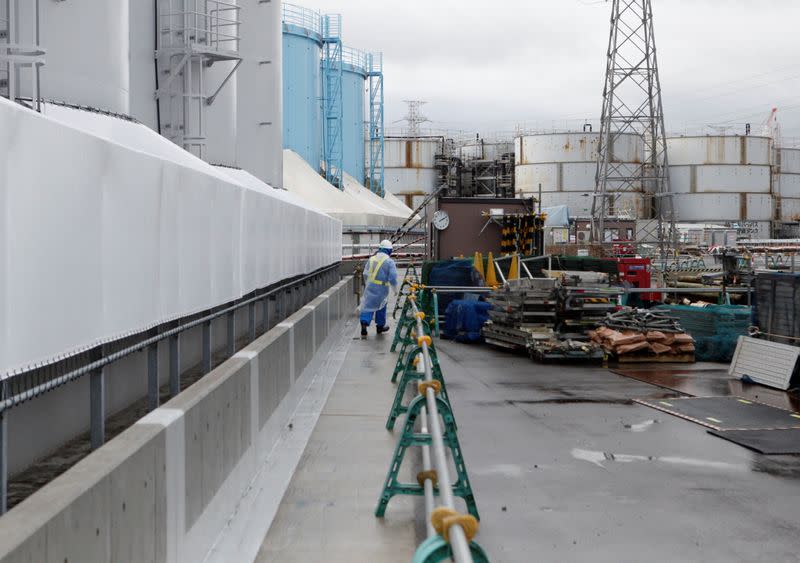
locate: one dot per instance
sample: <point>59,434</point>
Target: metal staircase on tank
<point>332,100</point>
<point>193,35</point>
<point>18,61</point>
<point>376,125</point>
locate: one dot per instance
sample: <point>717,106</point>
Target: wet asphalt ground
<point>564,467</point>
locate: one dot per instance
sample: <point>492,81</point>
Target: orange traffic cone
<point>513,270</point>
<point>478,263</point>
<point>491,278</point>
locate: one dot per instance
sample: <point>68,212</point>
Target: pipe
<point>458,539</point>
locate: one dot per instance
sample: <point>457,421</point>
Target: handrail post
<point>152,377</point>
<point>174,365</point>
<point>97,408</point>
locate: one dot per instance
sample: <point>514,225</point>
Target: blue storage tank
<point>354,75</point>
<point>302,83</point>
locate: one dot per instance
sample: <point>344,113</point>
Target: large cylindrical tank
<point>302,83</point>
<point>221,115</point>
<point>142,69</point>
<point>259,92</point>
<point>354,74</point>
<point>786,182</point>
<point>87,44</point>
<point>481,149</point>
<point>565,165</point>
<point>409,167</point>
<point>723,179</point>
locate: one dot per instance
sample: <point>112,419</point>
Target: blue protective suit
<point>380,272</point>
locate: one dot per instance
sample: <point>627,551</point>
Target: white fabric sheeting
<point>100,240</point>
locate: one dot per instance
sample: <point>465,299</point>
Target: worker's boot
<point>382,329</point>
<point>364,331</point>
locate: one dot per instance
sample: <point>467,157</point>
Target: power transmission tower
<point>414,117</point>
<point>632,105</point>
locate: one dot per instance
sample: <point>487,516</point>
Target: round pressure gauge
<point>441,220</point>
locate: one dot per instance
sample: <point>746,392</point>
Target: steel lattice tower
<point>632,105</point>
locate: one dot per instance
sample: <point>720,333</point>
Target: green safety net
<point>715,328</point>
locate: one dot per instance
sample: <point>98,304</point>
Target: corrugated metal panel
<point>767,363</point>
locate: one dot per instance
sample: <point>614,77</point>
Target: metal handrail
<point>356,58</point>
<point>431,426</point>
<point>206,26</point>
<point>302,17</point>
<point>18,398</point>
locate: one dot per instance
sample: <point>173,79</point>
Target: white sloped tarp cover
<point>107,231</point>
<point>355,205</point>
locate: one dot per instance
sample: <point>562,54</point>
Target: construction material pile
<point>522,310</point>
<point>638,335</point>
<point>715,328</point>
<point>525,315</point>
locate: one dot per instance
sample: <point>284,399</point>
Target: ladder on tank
<point>376,125</point>
<point>18,61</point>
<point>332,100</point>
<point>192,35</point>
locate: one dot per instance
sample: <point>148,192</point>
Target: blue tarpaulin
<point>464,319</point>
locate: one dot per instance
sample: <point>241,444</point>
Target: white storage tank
<point>87,44</point>
<point>565,164</point>
<point>481,149</point>
<point>722,178</point>
<point>410,167</point>
<point>786,182</point>
<point>259,92</point>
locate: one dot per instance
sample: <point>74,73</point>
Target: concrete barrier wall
<point>165,488</point>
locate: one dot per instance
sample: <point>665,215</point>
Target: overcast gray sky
<point>493,64</point>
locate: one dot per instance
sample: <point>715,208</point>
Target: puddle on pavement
<point>598,458</point>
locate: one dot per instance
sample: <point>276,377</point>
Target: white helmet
<point>386,245</point>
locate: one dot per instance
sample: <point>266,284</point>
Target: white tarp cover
<point>354,205</point>
<point>109,229</point>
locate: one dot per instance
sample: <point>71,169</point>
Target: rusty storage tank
<point>724,179</point>
<point>786,183</point>
<point>565,164</point>
<point>482,149</point>
<point>410,171</point>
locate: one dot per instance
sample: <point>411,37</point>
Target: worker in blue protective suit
<point>380,272</point>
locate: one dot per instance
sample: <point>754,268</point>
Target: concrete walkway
<point>564,468</point>
<point>327,511</point>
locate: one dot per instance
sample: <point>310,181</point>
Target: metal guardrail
<point>356,58</point>
<point>302,17</point>
<point>430,425</point>
<point>19,388</point>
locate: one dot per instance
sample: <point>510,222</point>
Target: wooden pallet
<point>652,359</point>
